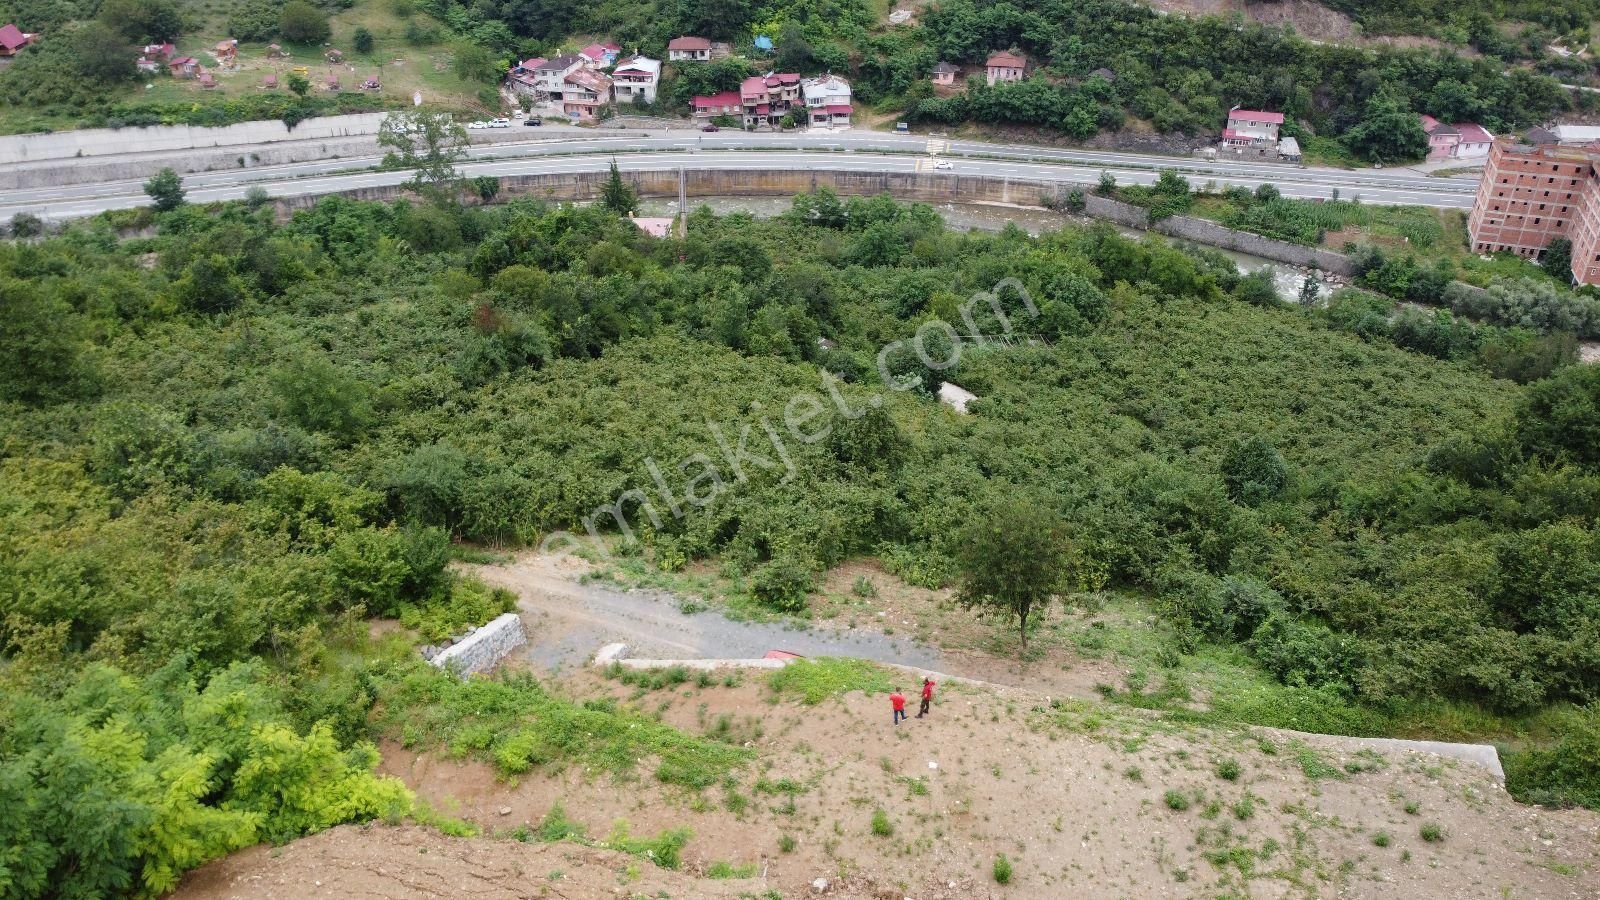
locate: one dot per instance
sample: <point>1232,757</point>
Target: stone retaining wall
<point>483,648</point>
<point>1204,231</point>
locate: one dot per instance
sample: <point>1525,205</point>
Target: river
<point>1287,279</point>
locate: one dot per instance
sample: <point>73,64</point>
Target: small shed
<point>332,55</point>
<point>207,80</point>
<point>270,82</point>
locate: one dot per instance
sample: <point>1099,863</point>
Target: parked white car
<point>479,124</point>
<point>500,123</point>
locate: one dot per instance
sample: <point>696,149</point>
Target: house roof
<point>1256,115</point>
<point>753,86</point>
<point>726,98</point>
<point>596,52</point>
<point>12,38</point>
<point>590,80</point>
<point>944,67</point>
<point>182,61</point>
<point>1006,59</point>
<point>838,109</point>
<point>1576,134</point>
<point>689,43</point>
<point>159,50</point>
<point>1473,133</point>
<point>1541,135</point>
<point>777,78</point>
<point>762,42</point>
<point>642,64</point>
<point>561,63</point>
<point>529,64</point>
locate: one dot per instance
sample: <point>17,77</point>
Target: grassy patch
<point>519,726</point>
<point>1002,869</point>
<point>815,680</point>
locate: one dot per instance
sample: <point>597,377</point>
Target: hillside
<point>241,453</point>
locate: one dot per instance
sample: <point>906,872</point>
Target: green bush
<point>1002,869</point>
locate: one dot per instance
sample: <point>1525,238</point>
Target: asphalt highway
<point>573,150</point>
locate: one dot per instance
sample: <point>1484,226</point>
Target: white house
<point>635,79</point>
<point>827,100</point>
<point>549,77</point>
<point>1251,128</point>
<point>689,49</point>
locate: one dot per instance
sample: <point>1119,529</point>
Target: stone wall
<point>482,648</point>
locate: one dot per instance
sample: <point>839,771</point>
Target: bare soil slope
<point>1084,800</point>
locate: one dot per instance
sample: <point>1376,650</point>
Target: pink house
<point>1251,128</point>
<point>727,103</point>
<point>945,74</point>
<point>1462,140</point>
<point>768,98</point>
<point>583,93</point>
<point>1006,65</point>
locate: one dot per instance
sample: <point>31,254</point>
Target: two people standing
<point>897,700</point>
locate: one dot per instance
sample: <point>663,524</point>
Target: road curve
<point>847,151</point>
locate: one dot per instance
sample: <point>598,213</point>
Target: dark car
<point>709,128</point>
<point>534,121</point>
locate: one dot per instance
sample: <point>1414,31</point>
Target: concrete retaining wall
<point>127,166</point>
<point>103,141</point>
<point>483,648</point>
<point>1203,231</point>
<point>617,654</point>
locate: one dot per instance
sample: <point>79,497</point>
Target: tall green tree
<point>302,23</point>
<point>428,142</point>
<point>165,189</point>
<point>1388,131</point>
<point>617,195</point>
<point>1014,559</point>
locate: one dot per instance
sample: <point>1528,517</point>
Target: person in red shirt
<point>927,697</point>
<point>898,701</point>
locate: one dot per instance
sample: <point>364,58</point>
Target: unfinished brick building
<point>1531,194</point>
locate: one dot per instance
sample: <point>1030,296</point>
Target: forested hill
<point>226,445</point>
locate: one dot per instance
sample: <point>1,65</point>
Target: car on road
<point>944,164</point>
<point>500,123</point>
<point>478,124</point>
<point>710,128</point>
<point>533,121</point>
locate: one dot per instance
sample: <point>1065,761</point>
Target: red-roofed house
<point>207,80</point>
<point>601,54</point>
<point>726,103</point>
<point>689,49</point>
<point>1251,128</point>
<point>522,77</point>
<point>1475,141</point>
<point>1462,140</point>
<point>1006,65</point>
<point>13,39</point>
<point>183,67</point>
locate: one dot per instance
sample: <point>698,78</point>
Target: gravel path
<point>568,620</point>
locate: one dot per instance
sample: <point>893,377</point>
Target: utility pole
<point>683,204</point>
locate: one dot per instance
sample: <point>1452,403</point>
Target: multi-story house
<point>523,77</point>
<point>550,76</point>
<point>635,79</point>
<point>827,100</point>
<point>1252,128</point>
<point>583,92</point>
<point>768,98</point>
